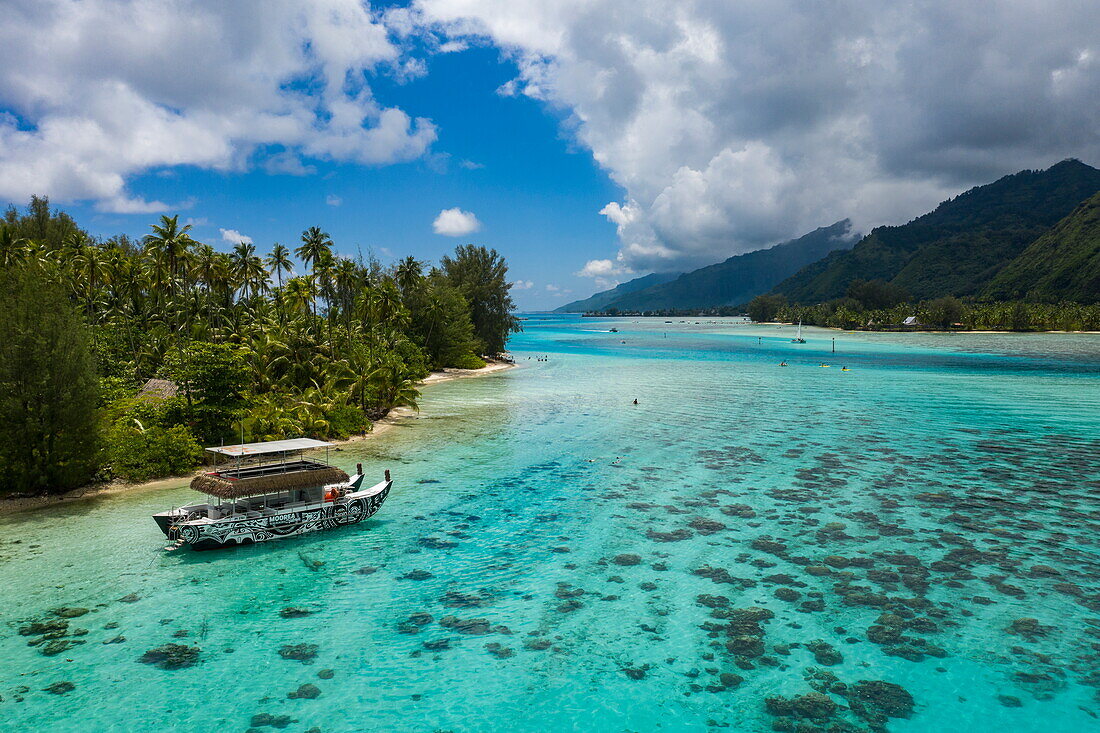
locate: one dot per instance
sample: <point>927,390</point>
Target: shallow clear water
<point>953,483</point>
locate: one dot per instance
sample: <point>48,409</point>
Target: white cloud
<point>455,223</point>
<point>523,285</point>
<point>103,90</point>
<point>602,268</point>
<point>734,125</point>
<point>608,273</point>
<point>333,200</point>
<point>287,163</point>
<point>234,237</point>
<point>453,47</point>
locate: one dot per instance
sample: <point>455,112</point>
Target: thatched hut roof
<point>159,389</point>
<point>227,487</point>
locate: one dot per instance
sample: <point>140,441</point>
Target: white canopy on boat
<point>271,446</point>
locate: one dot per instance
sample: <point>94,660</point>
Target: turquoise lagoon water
<point>898,522</point>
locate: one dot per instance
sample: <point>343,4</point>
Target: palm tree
<point>249,269</point>
<point>323,268</point>
<point>347,279</point>
<point>241,252</point>
<point>300,293</point>
<point>279,262</point>
<point>13,248</point>
<point>170,242</point>
<point>223,282</point>
<point>73,243</point>
<point>393,384</point>
<point>315,245</point>
<point>90,265</point>
<point>409,273</point>
<point>387,305</point>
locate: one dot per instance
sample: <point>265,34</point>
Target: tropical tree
<point>409,274</point>
<point>482,276</point>
<point>169,243</point>
<point>13,248</point>
<point>316,245</point>
<point>279,262</point>
<point>90,266</point>
<point>50,431</point>
<point>245,356</point>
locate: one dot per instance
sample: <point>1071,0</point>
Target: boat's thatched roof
<point>225,487</point>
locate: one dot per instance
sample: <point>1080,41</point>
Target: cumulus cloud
<point>455,223</point>
<point>523,285</point>
<point>333,200</point>
<point>234,237</point>
<point>98,91</point>
<point>608,273</point>
<point>731,126</point>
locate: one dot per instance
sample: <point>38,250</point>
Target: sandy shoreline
<point>24,503</point>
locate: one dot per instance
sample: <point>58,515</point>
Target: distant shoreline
<point>17,504</point>
<point>830,328</point>
<point>905,330</point>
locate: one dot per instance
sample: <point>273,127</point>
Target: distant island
<point>120,358</point>
<point>1021,253</point>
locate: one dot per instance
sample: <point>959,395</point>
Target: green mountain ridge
<point>599,300</point>
<point>961,246</point>
<point>1062,264</point>
<point>738,279</point>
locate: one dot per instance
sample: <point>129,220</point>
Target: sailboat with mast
<point>798,339</point>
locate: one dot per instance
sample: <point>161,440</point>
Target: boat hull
<point>235,531</point>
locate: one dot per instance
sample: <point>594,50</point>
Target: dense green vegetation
<point>49,397</point>
<point>961,246</point>
<point>1064,263</point>
<point>736,280</point>
<point>248,346</point>
<point>938,313</point>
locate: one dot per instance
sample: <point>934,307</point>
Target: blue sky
<point>593,140</point>
<point>536,193</point>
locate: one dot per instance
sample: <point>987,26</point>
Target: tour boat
<point>267,491</point>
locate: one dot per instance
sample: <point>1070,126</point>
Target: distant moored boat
<point>268,491</point>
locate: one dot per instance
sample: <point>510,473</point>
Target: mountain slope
<point>600,300</point>
<point>740,278</point>
<point>1063,264</point>
<point>961,246</point>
